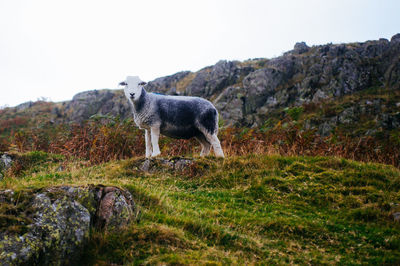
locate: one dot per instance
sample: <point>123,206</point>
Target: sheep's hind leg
<point>213,139</point>
<point>205,145</point>
<point>148,143</point>
<point>155,134</point>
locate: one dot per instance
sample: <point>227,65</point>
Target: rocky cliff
<point>249,93</point>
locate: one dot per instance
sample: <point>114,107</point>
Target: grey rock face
<point>395,38</point>
<point>301,47</point>
<point>167,85</point>
<point>230,104</point>
<point>61,218</point>
<point>322,74</point>
<point>98,102</point>
<point>24,106</point>
<point>212,80</point>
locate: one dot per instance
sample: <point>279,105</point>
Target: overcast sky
<point>55,49</point>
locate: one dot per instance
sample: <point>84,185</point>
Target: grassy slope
<point>241,210</point>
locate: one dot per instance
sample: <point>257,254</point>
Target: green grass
<point>241,210</point>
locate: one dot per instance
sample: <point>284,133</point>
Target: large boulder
<point>50,226</point>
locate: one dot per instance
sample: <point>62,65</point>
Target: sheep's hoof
<point>155,154</point>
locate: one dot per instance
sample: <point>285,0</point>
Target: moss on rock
<point>50,226</point>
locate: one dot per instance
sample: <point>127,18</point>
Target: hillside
<point>336,85</point>
<point>311,174</point>
<point>334,99</point>
<point>241,210</point>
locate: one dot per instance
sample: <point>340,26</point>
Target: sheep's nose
<point>132,94</point>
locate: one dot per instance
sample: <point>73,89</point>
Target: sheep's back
<point>180,117</point>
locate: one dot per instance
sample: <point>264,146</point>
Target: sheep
<point>180,117</point>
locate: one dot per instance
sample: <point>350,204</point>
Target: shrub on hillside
<point>102,139</point>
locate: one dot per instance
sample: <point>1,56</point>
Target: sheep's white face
<point>133,87</point>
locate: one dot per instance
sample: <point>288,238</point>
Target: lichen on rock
<point>61,218</point>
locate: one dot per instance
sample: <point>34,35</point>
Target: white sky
<point>55,49</point>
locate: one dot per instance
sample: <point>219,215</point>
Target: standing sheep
<point>180,117</point>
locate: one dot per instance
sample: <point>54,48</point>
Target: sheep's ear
<point>123,83</point>
<point>142,83</point>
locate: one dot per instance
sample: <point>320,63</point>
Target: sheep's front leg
<point>148,143</point>
<point>155,134</point>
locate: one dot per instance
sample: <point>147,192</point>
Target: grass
<point>241,210</point>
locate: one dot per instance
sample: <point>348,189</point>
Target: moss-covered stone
<point>50,226</point>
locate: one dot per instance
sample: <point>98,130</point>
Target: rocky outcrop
<point>247,93</point>
<point>169,84</point>
<point>50,226</point>
<point>210,81</point>
<point>24,106</point>
<point>97,102</point>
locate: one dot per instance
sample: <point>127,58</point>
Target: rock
<point>5,163</point>
<point>347,116</point>
<point>182,164</point>
<point>396,216</point>
<point>325,129</point>
<point>116,209</point>
<point>395,38</point>
<point>55,237</point>
<point>159,164</point>
<point>98,102</point>
<point>260,85</point>
<point>212,80</point>
<point>168,84</point>
<point>24,106</point>
<point>145,167</point>
<point>301,47</point>
<point>319,96</point>
<point>230,104</point>
<point>389,121</point>
<point>58,222</point>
